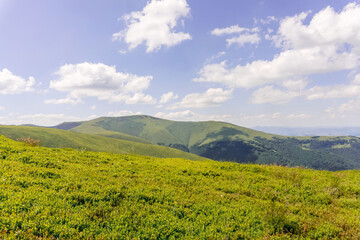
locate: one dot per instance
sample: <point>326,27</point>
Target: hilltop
<point>228,142</point>
<point>64,193</point>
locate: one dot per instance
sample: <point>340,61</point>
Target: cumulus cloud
<point>272,94</point>
<point>269,94</point>
<point>228,30</point>
<point>167,97</point>
<point>1,108</point>
<point>155,25</point>
<point>327,27</point>
<point>213,97</point>
<point>356,79</point>
<point>348,110</point>
<point>337,91</point>
<point>12,84</point>
<point>268,20</point>
<point>72,101</point>
<point>243,35</point>
<point>100,81</point>
<point>329,42</point>
<point>242,39</point>
<point>288,64</point>
<point>137,98</point>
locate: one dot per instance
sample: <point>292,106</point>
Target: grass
<point>65,193</point>
<point>56,138</point>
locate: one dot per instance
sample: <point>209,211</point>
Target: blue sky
<point>252,63</point>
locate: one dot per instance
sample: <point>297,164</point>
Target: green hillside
<point>70,194</point>
<point>228,142</point>
<point>56,138</point>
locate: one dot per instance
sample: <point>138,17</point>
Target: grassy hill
<point>70,194</point>
<point>56,138</point>
<point>228,142</point>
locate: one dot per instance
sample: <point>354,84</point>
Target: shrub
<point>29,141</point>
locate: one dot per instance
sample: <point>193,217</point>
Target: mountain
<point>69,194</point>
<point>228,142</point>
<point>122,143</point>
<point>312,131</point>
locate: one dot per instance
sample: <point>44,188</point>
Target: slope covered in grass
<point>56,138</point>
<point>64,193</point>
<point>228,142</point>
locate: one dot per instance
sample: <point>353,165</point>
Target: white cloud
<point>269,94</point>
<point>167,97</point>
<point>327,27</point>
<point>211,98</point>
<point>337,91</point>
<point>243,35</point>
<point>356,79</point>
<point>100,81</point>
<point>278,119</point>
<point>122,113</point>
<point>12,84</point>
<point>1,108</point>
<point>137,98</point>
<point>72,101</point>
<point>155,25</point>
<point>218,55</point>
<point>268,20</point>
<point>283,67</point>
<point>328,43</point>
<point>228,30</point>
<point>188,115</point>
<point>243,39</point>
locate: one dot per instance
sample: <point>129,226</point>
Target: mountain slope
<point>56,138</point>
<point>69,194</point>
<point>228,142</point>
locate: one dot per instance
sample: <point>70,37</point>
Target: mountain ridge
<point>228,142</point>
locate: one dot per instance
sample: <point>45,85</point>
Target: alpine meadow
<point>179,119</point>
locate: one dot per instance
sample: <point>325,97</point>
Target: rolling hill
<point>228,142</point>
<point>49,193</point>
<point>120,143</point>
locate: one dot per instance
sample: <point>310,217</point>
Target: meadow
<point>49,193</point>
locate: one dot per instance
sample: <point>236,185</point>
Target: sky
<point>248,62</point>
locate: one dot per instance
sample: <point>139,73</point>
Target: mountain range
<point>146,135</point>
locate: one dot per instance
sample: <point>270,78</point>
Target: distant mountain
<point>67,125</point>
<point>56,138</point>
<point>228,142</point>
<point>310,131</point>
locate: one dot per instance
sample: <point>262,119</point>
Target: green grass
<point>56,138</point>
<point>71,194</point>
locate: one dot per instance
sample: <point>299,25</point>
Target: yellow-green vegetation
<point>56,138</point>
<point>48,193</point>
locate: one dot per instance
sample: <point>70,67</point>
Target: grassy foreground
<point>70,194</point>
